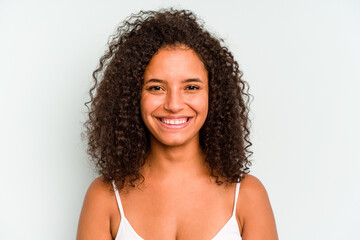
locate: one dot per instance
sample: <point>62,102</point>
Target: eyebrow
<point>184,81</point>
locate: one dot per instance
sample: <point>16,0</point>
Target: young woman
<point>168,129</point>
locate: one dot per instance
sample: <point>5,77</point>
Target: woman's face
<point>174,98</point>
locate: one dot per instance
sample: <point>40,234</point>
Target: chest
<point>177,212</point>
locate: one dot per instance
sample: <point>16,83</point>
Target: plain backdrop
<point>301,59</point>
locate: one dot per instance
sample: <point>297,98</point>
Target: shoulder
<point>99,193</point>
<point>99,185</point>
<point>252,196</point>
<point>251,188</point>
<point>98,207</point>
<point>254,210</point>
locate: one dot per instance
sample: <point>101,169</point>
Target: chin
<point>172,141</point>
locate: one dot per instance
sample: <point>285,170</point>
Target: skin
<point>178,193</point>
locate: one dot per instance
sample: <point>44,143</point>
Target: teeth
<point>174,121</point>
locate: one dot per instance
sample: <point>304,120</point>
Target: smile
<point>174,122</point>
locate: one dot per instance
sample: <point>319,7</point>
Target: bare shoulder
<point>99,194</point>
<point>251,184</point>
<point>100,186</point>
<point>254,210</point>
<point>95,217</point>
<point>252,190</point>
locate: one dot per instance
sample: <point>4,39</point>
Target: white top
<point>230,231</point>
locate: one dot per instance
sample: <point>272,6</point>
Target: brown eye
<point>155,88</point>
<point>192,87</point>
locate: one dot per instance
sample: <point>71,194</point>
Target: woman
<point>168,130</point>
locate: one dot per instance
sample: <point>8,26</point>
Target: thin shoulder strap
<point>118,199</point>
<point>236,196</point>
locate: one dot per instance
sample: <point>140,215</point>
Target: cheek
<point>148,104</point>
<point>203,101</point>
<point>143,108</point>
<point>200,104</point>
<point>205,109</point>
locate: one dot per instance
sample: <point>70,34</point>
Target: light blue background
<point>301,59</point>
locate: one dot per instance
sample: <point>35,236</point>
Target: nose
<point>174,101</point>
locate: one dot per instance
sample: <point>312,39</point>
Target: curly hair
<point>118,140</point>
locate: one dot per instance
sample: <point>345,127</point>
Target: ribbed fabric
<point>230,231</point>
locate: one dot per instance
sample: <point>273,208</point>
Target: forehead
<point>175,62</point>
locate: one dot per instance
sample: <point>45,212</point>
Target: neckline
<point>140,238</point>
<point>123,218</point>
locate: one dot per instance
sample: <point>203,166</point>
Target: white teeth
<point>174,121</point>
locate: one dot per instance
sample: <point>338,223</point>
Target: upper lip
<point>174,117</point>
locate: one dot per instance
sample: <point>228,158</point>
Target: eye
<point>192,87</point>
<point>154,88</point>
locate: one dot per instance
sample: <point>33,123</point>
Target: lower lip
<point>174,126</point>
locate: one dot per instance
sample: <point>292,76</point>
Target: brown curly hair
<point>118,139</point>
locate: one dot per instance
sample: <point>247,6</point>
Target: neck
<point>175,162</point>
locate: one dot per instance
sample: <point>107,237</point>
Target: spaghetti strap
<point>118,199</point>
<point>236,196</point>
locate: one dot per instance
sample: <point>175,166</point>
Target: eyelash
<point>193,87</point>
<point>152,88</point>
<point>190,87</point>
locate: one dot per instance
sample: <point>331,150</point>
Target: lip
<point>174,117</point>
<point>174,126</point>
